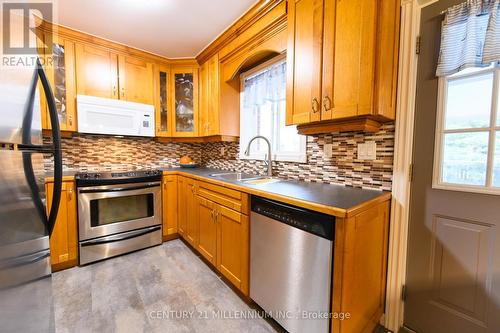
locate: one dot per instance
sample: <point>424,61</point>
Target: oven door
<point>111,209</point>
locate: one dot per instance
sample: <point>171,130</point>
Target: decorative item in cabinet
<point>61,73</point>
<point>162,76</point>
<point>185,102</point>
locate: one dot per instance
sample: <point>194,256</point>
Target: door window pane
<point>465,157</point>
<point>468,103</point>
<point>497,92</point>
<point>496,162</point>
<point>184,106</point>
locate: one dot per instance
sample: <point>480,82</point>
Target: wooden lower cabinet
<point>64,238</point>
<point>188,225</point>
<point>181,206</point>
<point>207,243</point>
<point>169,198</point>
<point>360,269</point>
<point>233,247</point>
<point>219,233</point>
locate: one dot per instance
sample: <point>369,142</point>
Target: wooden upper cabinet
<point>96,72</point>
<point>204,93</point>
<point>163,114</point>
<point>135,79</point>
<point>358,65</point>
<point>349,62</point>
<point>64,238</point>
<point>184,85</point>
<point>305,40</point>
<point>213,125</point>
<point>60,68</point>
<point>360,70</point>
<point>209,114</point>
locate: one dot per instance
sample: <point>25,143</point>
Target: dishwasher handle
<point>307,220</point>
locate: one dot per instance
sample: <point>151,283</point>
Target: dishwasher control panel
<point>316,223</point>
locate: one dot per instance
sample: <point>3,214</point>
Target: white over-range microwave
<point>114,117</point>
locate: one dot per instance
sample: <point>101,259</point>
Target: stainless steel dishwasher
<point>291,264</point>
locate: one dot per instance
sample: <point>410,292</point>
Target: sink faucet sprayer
<point>269,158</point>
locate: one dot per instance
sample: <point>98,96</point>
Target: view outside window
<point>468,135</point>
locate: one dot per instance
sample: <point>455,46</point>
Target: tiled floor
<point>147,291</point>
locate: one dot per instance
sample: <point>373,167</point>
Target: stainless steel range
<point>118,213</point>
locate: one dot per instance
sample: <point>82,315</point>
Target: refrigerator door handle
<point>56,143</point>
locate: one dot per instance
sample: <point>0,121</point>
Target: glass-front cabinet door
<point>162,107</point>
<point>185,101</point>
<point>60,67</point>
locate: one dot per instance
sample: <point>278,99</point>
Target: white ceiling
<point>171,28</point>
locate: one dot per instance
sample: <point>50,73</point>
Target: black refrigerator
<point>26,303</point>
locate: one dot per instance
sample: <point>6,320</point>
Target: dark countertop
<point>337,196</point>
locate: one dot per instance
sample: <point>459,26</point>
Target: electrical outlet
<point>327,150</point>
<point>367,151</point>
<point>222,151</point>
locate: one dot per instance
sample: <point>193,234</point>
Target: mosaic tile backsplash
<point>92,152</point>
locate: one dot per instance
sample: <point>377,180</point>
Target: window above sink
<point>263,112</point>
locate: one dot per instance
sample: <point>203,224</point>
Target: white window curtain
<point>269,86</point>
<point>470,36</point>
<point>263,112</point>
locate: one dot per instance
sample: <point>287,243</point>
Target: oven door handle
<point>121,237</point>
<point>118,189</point>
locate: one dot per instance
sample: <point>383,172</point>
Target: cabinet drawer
<point>229,198</point>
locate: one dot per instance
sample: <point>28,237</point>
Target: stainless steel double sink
<point>245,178</point>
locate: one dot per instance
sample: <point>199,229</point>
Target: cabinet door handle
<point>70,194</point>
<point>315,105</point>
<point>165,185</point>
<point>123,91</point>
<point>70,119</point>
<point>327,103</point>
<point>114,90</point>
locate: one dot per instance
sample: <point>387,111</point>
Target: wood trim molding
<point>213,138</point>
<point>403,151</point>
<point>80,36</point>
<point>259,10</point>
<point>364,124</point>
<point>259,38</point>
<point>170,237</point>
